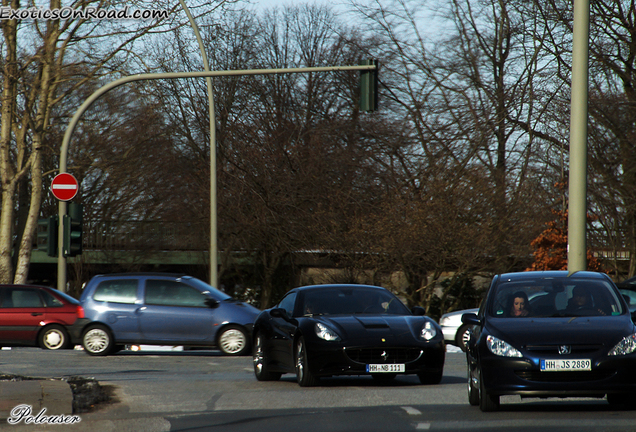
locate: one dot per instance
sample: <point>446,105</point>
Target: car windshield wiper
<point>315,314</point>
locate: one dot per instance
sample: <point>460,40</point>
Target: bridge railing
<point>139,235</point>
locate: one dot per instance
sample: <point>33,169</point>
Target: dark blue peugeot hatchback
<point>550,334</point>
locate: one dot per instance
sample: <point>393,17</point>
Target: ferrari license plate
<point>549,365</point>
<point>385,368</point>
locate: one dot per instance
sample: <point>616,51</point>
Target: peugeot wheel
<point>487,402</point>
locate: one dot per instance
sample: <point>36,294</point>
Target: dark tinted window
<point>172,293</point>
<point>288,303</point>
<point>348,300</point>
<point>50,300</point>
<point>212,292</point>
<point>21,298</point>
<point>117,291</point>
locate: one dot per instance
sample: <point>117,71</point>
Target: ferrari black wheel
<point>261,370</point>
<point>303,374</point>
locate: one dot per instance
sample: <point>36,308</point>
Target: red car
<point>33,315</point>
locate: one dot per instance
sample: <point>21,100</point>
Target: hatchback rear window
<point>117,291</point>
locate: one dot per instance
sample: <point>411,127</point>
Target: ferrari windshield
<point>555,297</point>
<point>351,300</point>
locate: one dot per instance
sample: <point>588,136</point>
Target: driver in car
<point>581,299</point>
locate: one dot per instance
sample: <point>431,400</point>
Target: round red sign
<point>64,186</point>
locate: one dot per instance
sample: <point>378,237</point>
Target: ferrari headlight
<point>428,332</point>
<point>626,346</point>
<point>501,348</point>
<point>326,333</point>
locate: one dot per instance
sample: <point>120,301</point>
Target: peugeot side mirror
<point>471,318</point>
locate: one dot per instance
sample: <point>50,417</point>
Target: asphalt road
<point>206,391</point>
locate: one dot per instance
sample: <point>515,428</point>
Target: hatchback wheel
<point>53,337</point>
<point>233,341</point>
<point>97,340</point>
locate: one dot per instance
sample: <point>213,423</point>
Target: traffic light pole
<point>62,209</point>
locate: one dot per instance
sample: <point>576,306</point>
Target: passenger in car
<point>520,305</point>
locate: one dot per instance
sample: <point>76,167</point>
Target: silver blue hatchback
<point>163,309</point>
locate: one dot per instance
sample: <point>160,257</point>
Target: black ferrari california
<point>327,330</point>
<point>551,334</point>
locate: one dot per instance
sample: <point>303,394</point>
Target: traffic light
<point>47,235</point>
<point>73,230</point>
<point>369,86</point>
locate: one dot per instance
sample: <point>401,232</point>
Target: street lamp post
<point>577,187</point>
<point>213,224</point>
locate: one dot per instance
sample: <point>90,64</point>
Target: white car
<point>454,331</point>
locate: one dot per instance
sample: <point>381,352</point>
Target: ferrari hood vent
<point>373,322</point>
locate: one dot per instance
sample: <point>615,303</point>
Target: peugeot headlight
<point>428,332</point>
<point>326,333</point>
<point>626,346</point>
<point>501,348</point>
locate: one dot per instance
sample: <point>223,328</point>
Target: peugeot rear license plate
<point>385,368</point>
<point>548,365</point>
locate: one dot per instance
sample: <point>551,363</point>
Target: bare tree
<point>612,138</point>
<point>47,67</point>
<point>44,63</point>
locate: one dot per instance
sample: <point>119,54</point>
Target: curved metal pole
<point>213,219</point>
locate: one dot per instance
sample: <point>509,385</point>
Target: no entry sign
<point>64,186</point>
